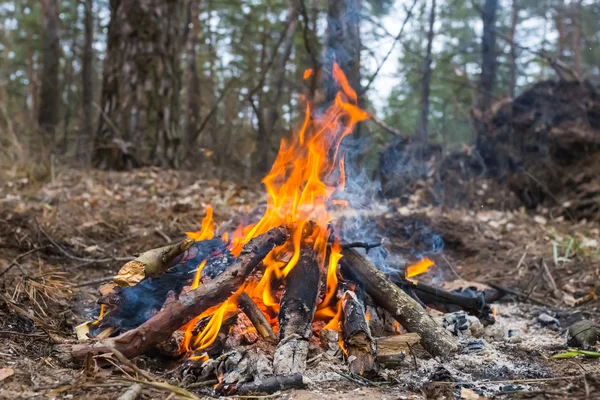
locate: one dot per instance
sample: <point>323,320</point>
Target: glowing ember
<point>419,268</point>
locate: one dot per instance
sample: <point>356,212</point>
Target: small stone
<point>548,321</point>
<point>582,334</point>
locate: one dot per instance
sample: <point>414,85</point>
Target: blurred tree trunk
<point>512,61</point>
<point>192,116</point>
<point>139,122</point>
<point>575,11</point>
<point>488,55</point>
<point>50,89</point>
<point>278,78</point>
<point>426,82</point>
<point>85,137</point>
<point>32,76</point>
<point>559,18</point>
<point>343,44</point>
<point>68,96</point>
<point>214,131</point>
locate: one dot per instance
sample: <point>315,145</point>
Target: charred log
<point>297,309</point>
<point>266,386</point>
<point>160,327</point>
<point>447,301</point>
<point>357,336</point>
<point>258,319</point>
<point>403,308</point>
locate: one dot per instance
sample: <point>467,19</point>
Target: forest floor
<point>52,236</point>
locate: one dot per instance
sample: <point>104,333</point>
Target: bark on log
<point>150,263</point>
<point>358,341</point>
<point>297,309</point>
<point>436,340</point>
<point>258,319</point>
<point>266,386</point>
<point>160,327</point>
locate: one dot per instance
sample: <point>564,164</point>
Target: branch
<point>406,19</point>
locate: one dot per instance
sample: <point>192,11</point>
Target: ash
<point>508,356</point>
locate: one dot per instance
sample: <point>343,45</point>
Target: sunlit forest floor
<point>57,238</point>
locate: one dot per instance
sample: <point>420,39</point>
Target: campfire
<point>255,301</point>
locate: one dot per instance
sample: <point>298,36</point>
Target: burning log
<point>400,305</point>
<point>174,315</point>
<point>358,342</point>
<point>297,309</point>
<point>150,263</point>
<point>258,319</point>
<point>267,385</point>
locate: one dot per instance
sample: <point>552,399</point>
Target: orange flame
<point>308,170</point>
<point>419,268</point>
<point>207,231</point>
<point>307,73</point>
<point>196,282</point>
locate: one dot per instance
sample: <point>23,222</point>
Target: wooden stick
<point>150,263</point>
<point>297,309</point>
<point>174,315</point>
<point>258,319</point>
<point>436,340</point>
<point>358,341</point>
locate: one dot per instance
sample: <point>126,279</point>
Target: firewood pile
<point>250,309</point>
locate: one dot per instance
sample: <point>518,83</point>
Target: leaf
<point>575,353</point>
<point>5,373</point>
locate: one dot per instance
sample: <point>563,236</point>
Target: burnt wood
<point>174,315</point>
<point>267,386</point>
<point>436,340</point>
<point>358,342</point>
<point>258,319</point>
<point>296,312</point>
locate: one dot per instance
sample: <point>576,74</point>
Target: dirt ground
<point>59,239</point>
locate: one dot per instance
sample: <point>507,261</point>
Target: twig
<point>406,19</point>
<point>132,393</point>
<point>24,334</point>
<point>532,380</point>
<point>452,267</point>
<point>131,365</point>
<point>95,281</point>
<point>84,259</point>
<point>19,257</point>
<point>166,386</point>
<point>549,277</point>
<point>362,245</point>
<point>522,296</point>
<point>258,319</point>
<point>385,126</point>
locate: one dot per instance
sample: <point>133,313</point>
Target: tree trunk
<point>272,114</point>
<point>50,89</point>
<point>85,137</point>
<point>513,49</point>
<point>488,55</point>
<point>214,131</point>
<point>139,122</point>
<point>342,44</point>
<point>68,93</point>
<point>576,10</point>
<point>426,82</point>
<point>193,81</point>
